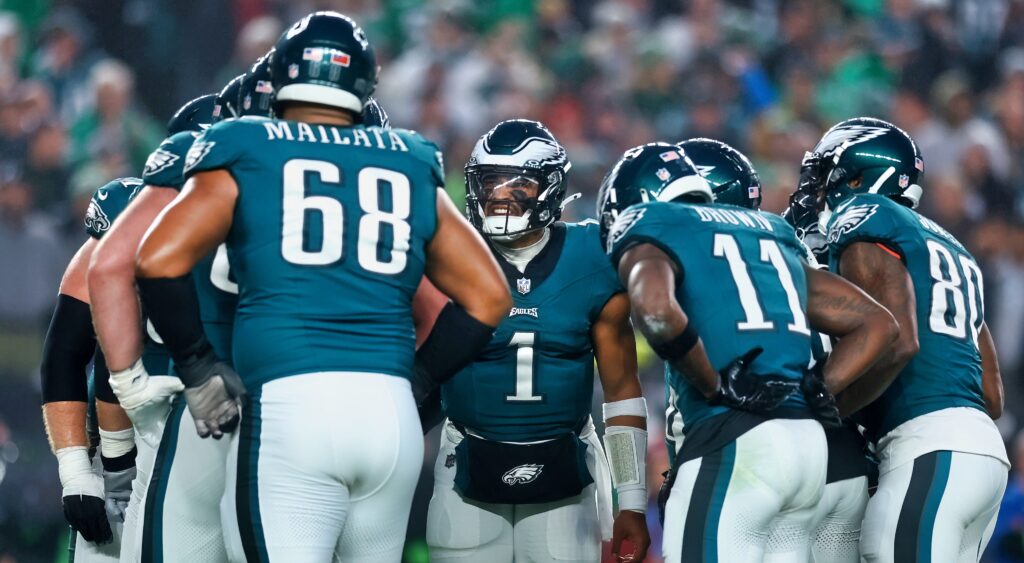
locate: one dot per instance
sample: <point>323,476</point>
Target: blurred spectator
<point>254,40</point>
<point>65,59</point>
<point>31,254</point>
<point>114,125</point>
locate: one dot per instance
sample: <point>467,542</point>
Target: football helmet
<point>523,158</point>
<point>226,104</point>
<point>256,92</point>
<point>324,58</point>
<point>802,215</point>
<point>730,174</point>
<point>651,172</point>
<point>876,154</point>
<point>374,115</point>
<point>195,115</point>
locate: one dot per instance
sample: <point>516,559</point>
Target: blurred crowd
<point>85,87</point>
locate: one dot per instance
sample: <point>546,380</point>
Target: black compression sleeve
<point>455,341</point>
<point>173,306</point>
<point>69,344</point>
<point>101,378</point>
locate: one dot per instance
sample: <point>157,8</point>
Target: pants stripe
<point>247,502</point>
<point>152,531</point>
<point>920,505</point>
<point>700,531</point>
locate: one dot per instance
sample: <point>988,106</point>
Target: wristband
<point>637,406</point>
<point>116,443</point>
<point>679,346</point>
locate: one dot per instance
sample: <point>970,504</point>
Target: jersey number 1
<point>523,342</point>
<point>297,204</point>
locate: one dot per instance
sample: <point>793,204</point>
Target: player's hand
<point>118,491</point>
<point>740,389</point>
<point>82,496</point>
<point>145,399</point>
<point>215,403</point>
<point>821,401</point>
<point>632,527</point>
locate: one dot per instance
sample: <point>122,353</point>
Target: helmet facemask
<point>506,202</point>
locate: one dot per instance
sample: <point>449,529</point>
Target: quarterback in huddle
<point>287,300</point>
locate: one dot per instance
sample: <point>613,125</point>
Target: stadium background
<point>85,87</point>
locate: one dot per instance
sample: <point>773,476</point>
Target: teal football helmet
<point>867,155</point>
<point>324,58</point>
<point>651,172</point>
<point>729,172</point>
<point>196,115</point>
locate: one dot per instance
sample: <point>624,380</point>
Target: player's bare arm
<point>191,227</point>
<point>615,352</point>
<point>864,328</point>
<point>112,279</point>
<point>461,267</point>
<point>650,278</point>
<point>991,378</point>
<point>885,279</point>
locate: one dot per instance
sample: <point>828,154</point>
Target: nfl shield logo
<point>904,180</point>
<point>449,461</point>
<point>663,174</point>
<point>293,70</point>
<point>523,285</point>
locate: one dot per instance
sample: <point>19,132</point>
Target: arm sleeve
<point>69,344</point>
<point>101,378</point>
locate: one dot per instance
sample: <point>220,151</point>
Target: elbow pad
<point>69,345</point>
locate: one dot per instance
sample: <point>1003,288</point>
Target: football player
<point>313,205</point>
<point>928,405</point>
<point>835,535</point>
<point>180,501</point>
<point>520,474</point>
<point>96,492</point>
<point>752,467</point>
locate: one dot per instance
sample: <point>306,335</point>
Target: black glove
<point>740,389</point>
<point>818,397</point>
<point>88,516</point>
<point>663,493</point>
<point>214,394</point>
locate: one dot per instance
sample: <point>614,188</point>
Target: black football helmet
<point>515,153</point>
<point>226,104</point>
<point>324,58</point>
<point>374,115</point>
<point>196,115</point>
<point>729,172</point>
<point>256,92</point>
<point>651,172</point>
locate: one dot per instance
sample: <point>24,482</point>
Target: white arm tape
<point>116,443</point>
<point>76,473</point>
<point>637,406</point>
<point>626,447</point>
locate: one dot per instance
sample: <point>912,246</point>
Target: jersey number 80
<point>297,204</point>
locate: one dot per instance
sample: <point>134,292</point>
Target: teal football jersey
<point>535,380</point>
<point>106,205</point>
<point>742,285</point>
<point>327,244</point>
<point>948,286</point>
<point>215,285</point>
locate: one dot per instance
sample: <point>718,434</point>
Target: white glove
<point>145,399</point>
